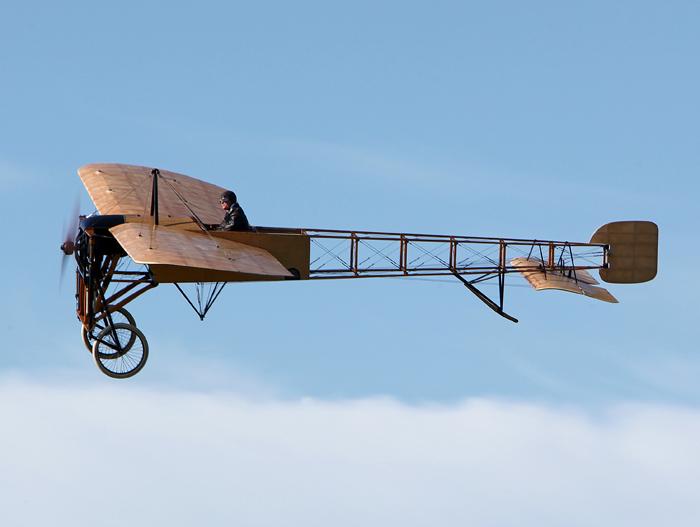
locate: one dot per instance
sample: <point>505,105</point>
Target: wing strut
<point>485,299</point>
<point>205,299</point>
<point>154,195</point>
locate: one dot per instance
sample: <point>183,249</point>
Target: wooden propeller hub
<point>68,248</point>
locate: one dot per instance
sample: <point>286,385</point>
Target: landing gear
<point>105,282</point>
<point>118,347</point>
<point>118,315</point>
<point>120,350</point>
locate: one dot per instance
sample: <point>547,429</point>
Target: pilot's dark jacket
<point>235,219</point>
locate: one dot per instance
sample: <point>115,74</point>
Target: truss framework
<point>355,254</point>
<point>471,259</point>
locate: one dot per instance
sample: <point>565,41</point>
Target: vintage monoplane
<point>158,227</point>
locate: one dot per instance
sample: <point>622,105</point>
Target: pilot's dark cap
<point>228,196</point>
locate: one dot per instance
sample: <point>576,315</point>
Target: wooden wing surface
<point>126,189</point>
<point>177,255</point>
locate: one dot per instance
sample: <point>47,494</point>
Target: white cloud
<point>116,455</point>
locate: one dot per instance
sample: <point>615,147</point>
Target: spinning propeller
<point>70,232</point>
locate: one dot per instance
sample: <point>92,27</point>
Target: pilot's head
<point>227,199</point>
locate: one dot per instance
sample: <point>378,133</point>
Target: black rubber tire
<point>123,363</point>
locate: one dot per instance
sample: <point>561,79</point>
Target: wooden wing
<point>126,189</point>
<point>184,256</point>
<point>583,284</point>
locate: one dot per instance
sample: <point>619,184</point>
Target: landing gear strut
<point>109,331</point>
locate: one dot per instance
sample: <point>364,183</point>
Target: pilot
<point>234,219</point>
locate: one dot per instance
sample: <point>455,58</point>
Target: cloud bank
<point>115,455</point>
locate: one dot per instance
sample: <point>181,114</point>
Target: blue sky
<point>539,119</point>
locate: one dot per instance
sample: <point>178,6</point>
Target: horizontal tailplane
<point>580,282</point>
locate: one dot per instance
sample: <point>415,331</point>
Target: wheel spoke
<point>119,315</point>
<point>131,350</point>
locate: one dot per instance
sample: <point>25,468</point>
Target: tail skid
<point>498,308</point>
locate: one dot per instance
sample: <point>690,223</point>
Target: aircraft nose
<point>68,248</point>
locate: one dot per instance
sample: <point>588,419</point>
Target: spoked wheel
<point>120,351</point>
<point>118,315</point>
